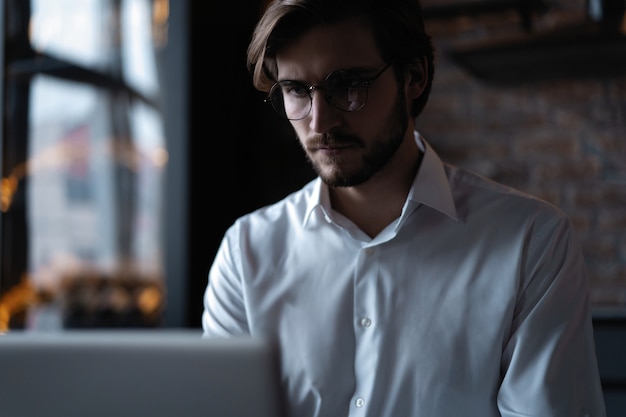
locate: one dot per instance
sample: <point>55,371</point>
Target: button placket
<point>365,308</point>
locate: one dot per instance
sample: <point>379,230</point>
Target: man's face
<point>346,148</point>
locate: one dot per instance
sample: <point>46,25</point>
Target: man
<point>396,285</point>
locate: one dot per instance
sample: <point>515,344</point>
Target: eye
<point>294,89</point>
<point>343,82</point>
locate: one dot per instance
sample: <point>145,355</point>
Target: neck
<point>376,203</point>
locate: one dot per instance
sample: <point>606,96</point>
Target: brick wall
<point>563,140</point>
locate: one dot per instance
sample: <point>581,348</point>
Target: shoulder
<point>520,227</point>
<point>475,193</point>
<point>505,214</point>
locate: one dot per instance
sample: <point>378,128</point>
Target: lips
<point>333,147</point>
<point>330,149</point>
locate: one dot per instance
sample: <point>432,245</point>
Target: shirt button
<point>360,402</point>
<point>365,322</point>
<point>369,251</point>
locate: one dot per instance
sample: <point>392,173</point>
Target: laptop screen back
<point>147,373</point>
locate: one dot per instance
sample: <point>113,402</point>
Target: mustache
<point>332,138</point>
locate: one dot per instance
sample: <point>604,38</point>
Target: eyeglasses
<point>343,89</point>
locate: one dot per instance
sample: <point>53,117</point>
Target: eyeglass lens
<point>345,90</point>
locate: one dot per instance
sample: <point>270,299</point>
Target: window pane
<point>80,31</point>
<point>90,33</point>
<point>139,59</point>
<point>94,203</point>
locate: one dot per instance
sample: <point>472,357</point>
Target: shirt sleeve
<point>549,365</point>
<point>224,308</point>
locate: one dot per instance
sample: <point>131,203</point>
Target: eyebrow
<point>361,71</point>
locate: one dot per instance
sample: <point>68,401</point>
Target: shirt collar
<point>430,187</point>
<point>318,201</point>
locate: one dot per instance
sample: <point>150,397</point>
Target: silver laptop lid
<point>146,373</point>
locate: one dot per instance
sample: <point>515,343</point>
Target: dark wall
<point>241,155</point>
<point>610,338</point>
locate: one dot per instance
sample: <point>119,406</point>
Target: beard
<point>375,156</point>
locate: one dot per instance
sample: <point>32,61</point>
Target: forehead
<point>323,49</point>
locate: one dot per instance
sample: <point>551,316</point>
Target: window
<point>83,160</point>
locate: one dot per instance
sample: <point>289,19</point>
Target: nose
<point>323,117</point>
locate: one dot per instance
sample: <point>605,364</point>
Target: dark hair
<point>397,27</point>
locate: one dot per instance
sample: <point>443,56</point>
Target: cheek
<point>378,109</point>
<point>300,128</point>
<point>381,100</point>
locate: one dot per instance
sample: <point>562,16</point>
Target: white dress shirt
<point>473,303</point>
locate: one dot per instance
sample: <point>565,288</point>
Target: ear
<point>416,78</point>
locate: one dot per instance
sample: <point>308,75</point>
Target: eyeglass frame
<point>310,88</point>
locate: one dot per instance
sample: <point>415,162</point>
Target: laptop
<point>137,373</point>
